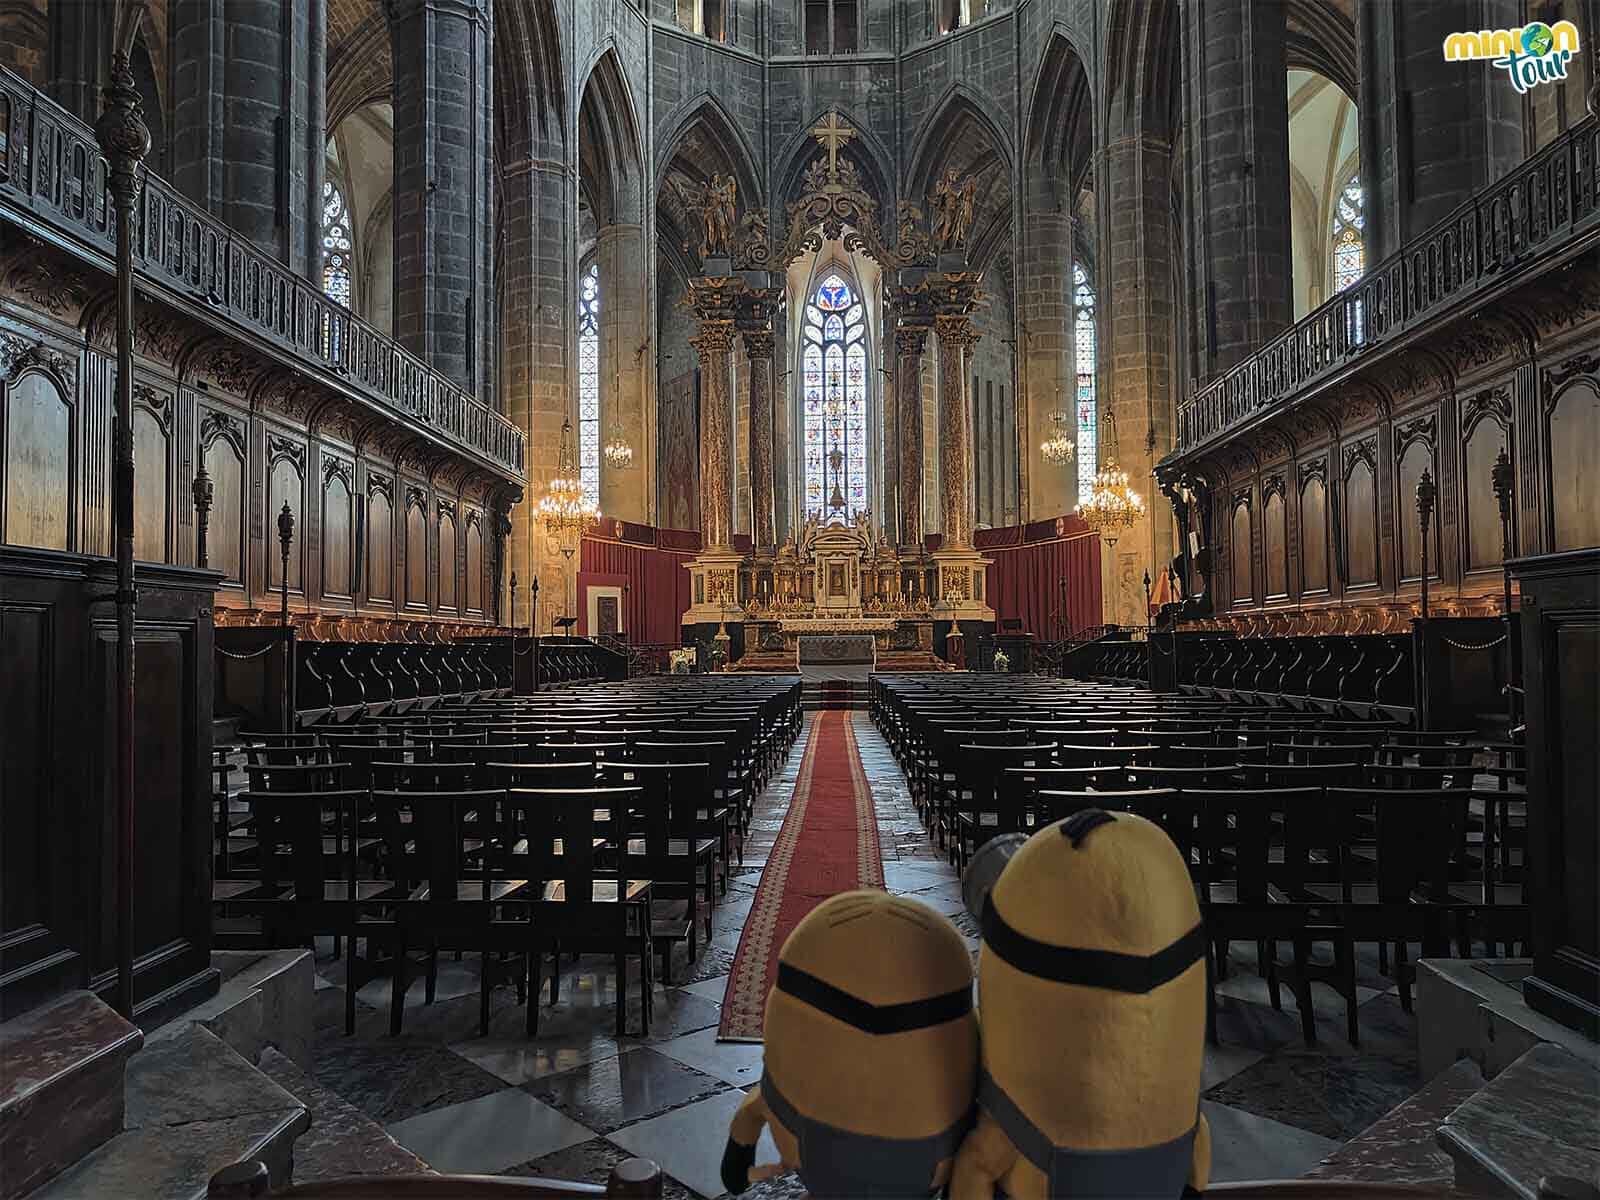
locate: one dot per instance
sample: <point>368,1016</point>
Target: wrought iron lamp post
<point>1426,493</point>
<point>204,491</point>
<point>513,624</point>
<point>124,140</point>
<point>1504,481</point>
<point>285,540</point>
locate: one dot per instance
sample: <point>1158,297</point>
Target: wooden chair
<point>578,905</point>
<point>660,839</point>
<point>441,902</point>
<point>301,890</point>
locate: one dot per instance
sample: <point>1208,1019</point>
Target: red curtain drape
<point>1025,582</point>
<point>658,586</point>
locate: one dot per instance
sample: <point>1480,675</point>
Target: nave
<point>574,1100</point>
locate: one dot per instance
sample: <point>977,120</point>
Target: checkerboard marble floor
<point>574,1101</point>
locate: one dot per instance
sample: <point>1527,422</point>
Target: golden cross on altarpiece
<point>832,133</point>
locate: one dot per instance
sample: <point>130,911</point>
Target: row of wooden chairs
<point>517,832</point>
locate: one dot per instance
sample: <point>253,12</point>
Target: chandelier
<point>1058,448</point>
<point>564,511</point>
<point>618,453</point>
<point>1112,505</point>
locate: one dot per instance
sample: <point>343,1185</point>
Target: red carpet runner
<point>828,844</point>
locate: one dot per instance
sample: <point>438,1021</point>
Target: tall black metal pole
<point>204,492</point>
<point>1504,481</point>
<point>124,141</point>
<point>513,624</point>
<point>533,616</point>
<point>285,540</point>
<point>1425,495</point>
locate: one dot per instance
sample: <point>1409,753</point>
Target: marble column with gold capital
<point>956,336</point>
<point>909,341</point>
<point>713,345</point>
<point>758,344</point>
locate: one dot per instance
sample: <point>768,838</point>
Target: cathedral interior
<point>825,456</point>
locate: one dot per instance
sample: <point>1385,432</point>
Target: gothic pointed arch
<point>1060,127</point>
<point>360,62</point>
<point>704,141</point>
<point>1141,70</point>
<point>866,151</point>
<point>610,161</point>
<point>530,94</point>
<point>961,135</point>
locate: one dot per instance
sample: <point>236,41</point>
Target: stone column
<point>248,142</point>
<point>1238,142</point>
<point>1433,132</point>
<point>1046,368</point>
<point>713,345</point>
<point>624,329</point>
<point>956,336</point>
<point>909,341</point>
<point>443,171</point>
<point>758,344</point>
<point>535,360</point>
<point>1135,379</point>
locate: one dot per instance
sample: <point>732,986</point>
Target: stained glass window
<point>833,368</point>
<point>589,383</point>
<point>1349,247</point>
<point>1084,351</point>
<point>336,244</point>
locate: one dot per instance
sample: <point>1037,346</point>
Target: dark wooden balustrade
<point>53,180</point>
<point>1491,242</point>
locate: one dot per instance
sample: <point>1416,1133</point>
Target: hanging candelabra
<point>1059,448</point>
<point>1112,505</point>
<point>618,451</point>
<point>564,511</point>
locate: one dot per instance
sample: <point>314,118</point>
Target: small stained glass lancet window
<point>1349,246</point>
<point>1349,250</point>
<point>589,383</point>
<point>1084,368</point>
<point>833,368</point>
<point>336,244</point>
<point>337,263</point>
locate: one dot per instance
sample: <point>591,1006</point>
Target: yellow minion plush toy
<point>871,1052</point>
<point>1092,1002</point>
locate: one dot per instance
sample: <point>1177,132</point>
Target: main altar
<point>839,575</point>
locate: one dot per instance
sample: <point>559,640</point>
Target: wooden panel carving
<point>1483,446</point>
<point>38,461</point>
<point>1314,533</point>
<point>1416,456</point>
<point>1361,515</point>
<point>152,489</point>
<point>286,486</point>
<point>379,545</point>
<point>1239,550</point>
<point>447,555</point>
<point>1275,539</point>
<point>1574,435</point>
<point>416,548</point>
<point>338,550</point>
<point>225,537</point>
<point>474,561</point>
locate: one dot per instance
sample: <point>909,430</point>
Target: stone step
<point>62,1093</point>
<point>193,1107</point>
<point>1400,1147</point>
<point>1538,1118</point>
<point>342,1139</point>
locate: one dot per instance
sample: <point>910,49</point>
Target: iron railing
<point>1500,234</point>
<point>51,170</point>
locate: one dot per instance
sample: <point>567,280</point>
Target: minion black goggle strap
<point>1109,969</point>
<point>866,1016</point>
